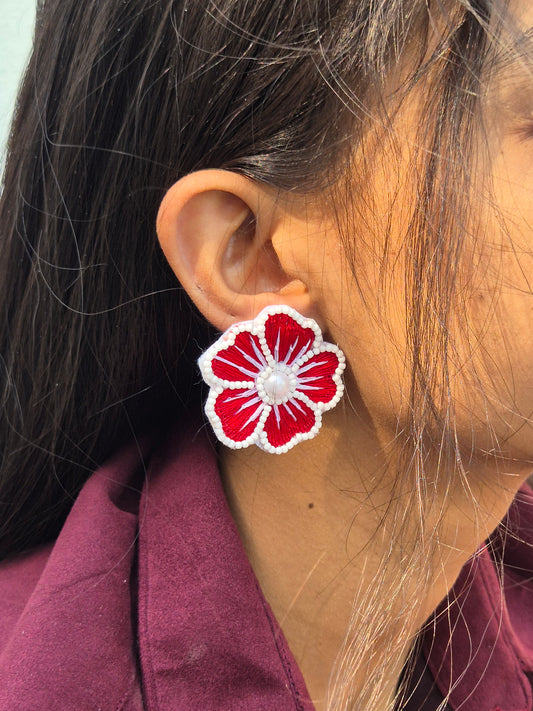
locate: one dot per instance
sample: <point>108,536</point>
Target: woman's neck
<point>324,527</point>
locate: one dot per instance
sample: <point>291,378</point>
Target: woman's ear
<point>225,238</point>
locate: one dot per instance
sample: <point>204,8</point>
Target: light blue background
<point>17,18</point>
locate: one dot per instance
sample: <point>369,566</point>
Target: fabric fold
<point>72,647</point>
<point>208,639</point>
<point>480,645</point>
<point>147,602</point>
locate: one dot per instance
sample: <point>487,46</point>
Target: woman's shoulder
<point>18,578</point>
<point>65,608</point>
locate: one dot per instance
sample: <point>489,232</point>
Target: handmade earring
<point>271,379</point>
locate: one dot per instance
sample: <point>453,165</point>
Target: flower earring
<point>270,381</point>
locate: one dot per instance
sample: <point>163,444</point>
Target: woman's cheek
<point>496,373</point>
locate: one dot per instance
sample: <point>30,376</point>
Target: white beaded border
<point>257,328</point>
<point>265,445</point>
<point>336,377</point>
<point>265,314</point>
<point>226,340</point>
<point>216,424</point>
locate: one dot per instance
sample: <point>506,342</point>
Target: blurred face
<point>491,317</point>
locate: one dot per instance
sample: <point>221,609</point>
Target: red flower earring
<point>271,379</point>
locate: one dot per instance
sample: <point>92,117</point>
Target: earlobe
<point>218,230</point>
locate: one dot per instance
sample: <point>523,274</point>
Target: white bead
<point>277,387</point>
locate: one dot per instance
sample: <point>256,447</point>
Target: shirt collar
<point>207,636</point>
<point>479,645</point>
<point>168,578</point>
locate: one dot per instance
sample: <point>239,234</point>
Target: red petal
<point>287,420</point>
<point>286,339</point>
<point>241,361</point>
<point>239,412</point>
<point>315,377</point>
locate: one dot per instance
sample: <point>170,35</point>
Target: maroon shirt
<point>147,601</point>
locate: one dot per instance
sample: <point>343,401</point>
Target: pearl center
<point>277,386</point>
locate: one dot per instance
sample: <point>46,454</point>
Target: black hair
<point>121,99</point>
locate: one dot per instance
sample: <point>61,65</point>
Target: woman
<point>173,169</point>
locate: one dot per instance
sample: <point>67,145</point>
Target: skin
<point>319,522</point>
